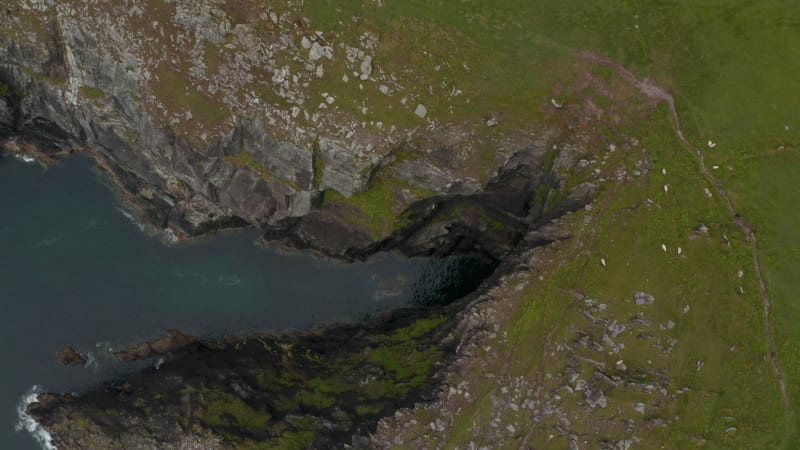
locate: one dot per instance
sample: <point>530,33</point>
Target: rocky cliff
<point>209,115</point>
<point>208,119</point>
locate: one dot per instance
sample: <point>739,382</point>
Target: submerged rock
<point>70,357</point>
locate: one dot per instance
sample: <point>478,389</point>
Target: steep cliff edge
<point>208,120</point>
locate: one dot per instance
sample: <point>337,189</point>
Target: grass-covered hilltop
<point>631,166</point>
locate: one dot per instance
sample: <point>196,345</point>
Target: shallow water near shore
<point>76,270</point>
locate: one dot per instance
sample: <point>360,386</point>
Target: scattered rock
<point>640,408</point>
<point>421,111</point>
<point>366,68</point>
<point>596,399</point>
<point>70,357</point>
<point>643,298</point>
<point>616,329</point>
<point>491,122</point>
<point>602,376</point>
<point>317,52</point>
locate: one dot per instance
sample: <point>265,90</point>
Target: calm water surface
<point>74,270</point>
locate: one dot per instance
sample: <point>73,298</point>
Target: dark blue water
<point>74,270</point>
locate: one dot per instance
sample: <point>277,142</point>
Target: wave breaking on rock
<point>27,423</point>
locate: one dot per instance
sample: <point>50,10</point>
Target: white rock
<point>421,111</point>
<point>663,171</point>
<point>712,144</point>
<point>315,52</point>
<point>366,68</point>
<point>345,78</point>
<point>305,43</point>
<point>680,250</point>
<point>384,89</point>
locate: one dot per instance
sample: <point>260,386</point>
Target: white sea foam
<point>104,349</point>
<point>130,217</point>
<point>170,236</point>
<point>229,280</point>
<point>26,422</point>
<point>91,361</point>
<point>28,158</point>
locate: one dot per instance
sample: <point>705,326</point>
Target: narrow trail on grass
<point>655,92</point>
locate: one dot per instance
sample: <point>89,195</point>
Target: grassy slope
<point>731,66</point>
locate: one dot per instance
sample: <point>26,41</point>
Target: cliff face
<point>207,119</point>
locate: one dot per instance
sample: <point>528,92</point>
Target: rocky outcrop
<point>173,341</point>
<point>310,390</point>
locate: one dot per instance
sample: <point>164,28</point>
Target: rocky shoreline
<point>319,389</point>
<point>328,388</point>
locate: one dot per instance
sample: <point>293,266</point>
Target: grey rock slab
<point>366,68</point>
<point>643,298</point>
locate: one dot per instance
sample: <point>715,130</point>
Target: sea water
<point>77,269</point>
